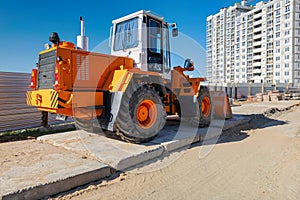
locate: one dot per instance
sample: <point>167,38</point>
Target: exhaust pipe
<point>82,40</point>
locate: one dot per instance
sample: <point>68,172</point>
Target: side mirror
<point>188,65</point>
<point>175,32</point>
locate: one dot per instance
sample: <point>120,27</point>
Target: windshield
<point>126,34</point>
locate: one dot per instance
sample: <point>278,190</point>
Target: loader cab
<point>143,36</point>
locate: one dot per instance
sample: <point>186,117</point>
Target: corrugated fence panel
<point>14,113</point>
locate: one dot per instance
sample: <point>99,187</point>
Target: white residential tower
<point>259,44</point>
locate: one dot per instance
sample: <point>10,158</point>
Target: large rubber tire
<point>205,111</point>
<point>141,115</point>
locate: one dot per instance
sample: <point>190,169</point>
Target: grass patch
<point>33,133</point>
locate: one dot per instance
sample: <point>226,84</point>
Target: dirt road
<point>263,163</point>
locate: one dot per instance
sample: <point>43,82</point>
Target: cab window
<point>126,34</point>
<point>155,36</point>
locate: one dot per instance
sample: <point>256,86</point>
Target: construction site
<point>130,125</point>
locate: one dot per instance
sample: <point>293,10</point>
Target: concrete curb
<point>43,190</point>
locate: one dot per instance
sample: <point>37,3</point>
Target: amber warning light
<point>33,79</point>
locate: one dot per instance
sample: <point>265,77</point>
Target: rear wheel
<point>204,113</point>
<point>141,115</point>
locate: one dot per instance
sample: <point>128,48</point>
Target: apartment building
<point>258,44</point>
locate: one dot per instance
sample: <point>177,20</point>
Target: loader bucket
<point>221,105</point>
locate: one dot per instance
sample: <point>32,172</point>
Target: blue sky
<point>25,26</point>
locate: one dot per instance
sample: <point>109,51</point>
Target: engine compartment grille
<point>46,69</point>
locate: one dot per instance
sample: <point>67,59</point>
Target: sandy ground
<point>262,163</point>
<point>24,153</point>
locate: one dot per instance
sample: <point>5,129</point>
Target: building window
<point>287,49</point>
<point>278,5</point>
<point>277,27</point>
<point>287,57</point>
<point>278,12</point>
<point>286,41</point>
<point>270,37</point>
<point>277,74</point>
<point>286,73</point>
<point>287,24</point>
<point>286,33</point>
<point>277,66</point>
<point>277,43</point>
<point>278,35</point>
<point>270,22</point>
<point>277,58</point>
<point>270,15</point>
<point>287,16</point>
<point>287,9</point>
<point>277,19</point>
<point>270,8</point>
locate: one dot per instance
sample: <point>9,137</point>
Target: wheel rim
<point>146,113</point>
<point>206,106</point>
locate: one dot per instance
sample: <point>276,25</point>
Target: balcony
<point>256,64</point>
<point>257,12</point>
<point>258,57</point>
<point>257,78</point>
<point>257,22</point>
<point>257,50</point>
<point>257,30</point>
<point>257,36</point>
<point>257,43</point>
<point>257,71</point>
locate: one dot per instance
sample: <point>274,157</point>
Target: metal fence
<point>14,112</point>
<point>243,90</point>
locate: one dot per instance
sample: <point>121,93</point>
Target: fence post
<point>235,91</point>
<point>249,89</point>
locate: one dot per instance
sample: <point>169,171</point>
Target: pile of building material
<point>292,94</point>
<point>266,97</point>
<point>274,96</point>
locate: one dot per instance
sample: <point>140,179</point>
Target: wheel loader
<point>130,92</point>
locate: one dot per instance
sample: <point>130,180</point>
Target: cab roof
<point>138,13</point>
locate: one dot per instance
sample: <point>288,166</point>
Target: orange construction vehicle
<point>129,92</point>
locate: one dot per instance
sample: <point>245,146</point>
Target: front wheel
<point>205,109</point>
<point>141,115</point>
